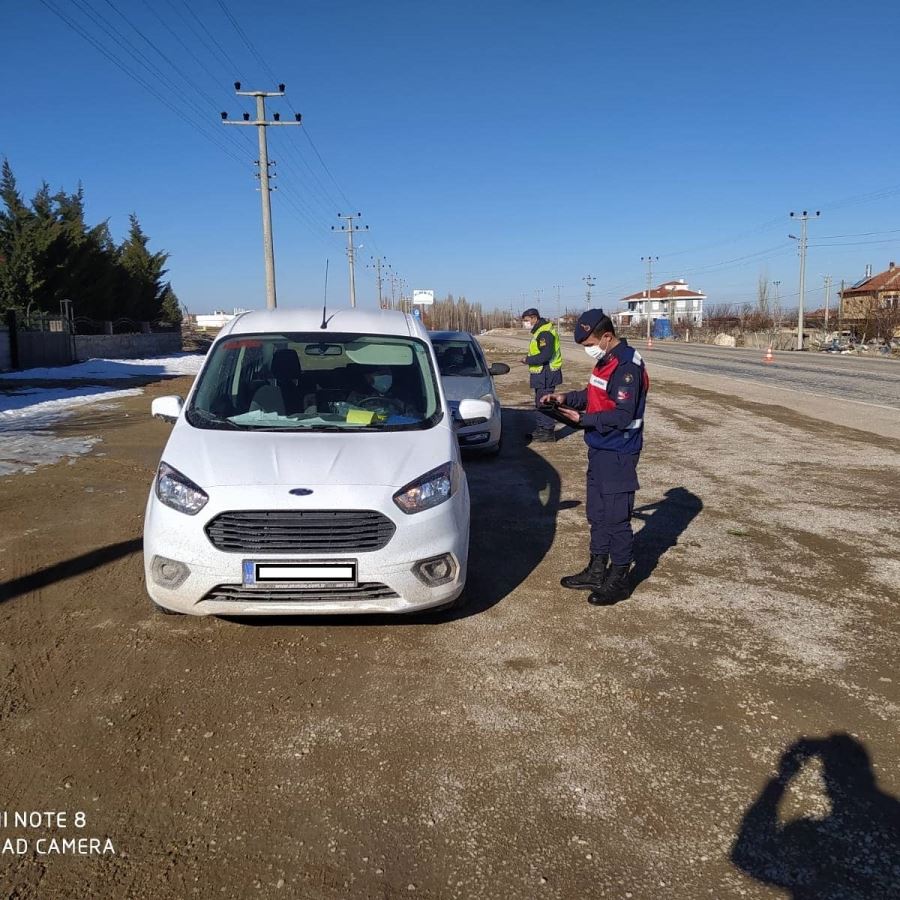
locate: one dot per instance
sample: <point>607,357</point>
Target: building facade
<point>673,300</point>
<point>872,294</point>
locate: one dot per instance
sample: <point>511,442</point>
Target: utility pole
<point>589,282</point>
<point>841,311</point>
<point>377,260</point>
<point>801,249</point>
<point>649,260</point>
<point>827,301</point>
<point>262,124</point>
<point>393,277</point>
<point>349,230</point>
<point>558,308</point>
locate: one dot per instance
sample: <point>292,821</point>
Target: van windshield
<point>316,382</point>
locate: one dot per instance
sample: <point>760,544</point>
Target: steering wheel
<point>377,403</point>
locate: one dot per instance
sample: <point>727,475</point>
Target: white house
<point>671,299</point>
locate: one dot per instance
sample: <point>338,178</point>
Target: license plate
<point>340,573</point>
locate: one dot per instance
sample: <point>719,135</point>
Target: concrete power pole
<point>558,308</point>
<point>263,162</point>
<point>827,301</point>
<point>376,264</point>
<point>349,229</point>
<point>649,260</point>
<point>589,282</point>
<point>801,248</point>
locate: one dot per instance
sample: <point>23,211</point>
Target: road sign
<point>417,313</point>
<point>423,297</point>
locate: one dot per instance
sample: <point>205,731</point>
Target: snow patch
<point>113,369</point>
<point>28,417</point>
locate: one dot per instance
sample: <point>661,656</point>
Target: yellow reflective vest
<point>556,360</point>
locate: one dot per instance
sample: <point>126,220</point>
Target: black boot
<point>591,577</point>
<point>616,587</point>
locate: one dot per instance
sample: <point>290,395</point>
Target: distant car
<point>466,375</point>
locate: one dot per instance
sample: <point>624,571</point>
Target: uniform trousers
<point>611,484</point>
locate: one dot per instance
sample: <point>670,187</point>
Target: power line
<point>139,79</point>
<point>247,42</point>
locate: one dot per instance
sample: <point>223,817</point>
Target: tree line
<point>458,314</point>
<point>49,253</point>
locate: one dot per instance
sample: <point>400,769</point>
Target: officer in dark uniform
<point>544,361</point>
<point>613,418</point>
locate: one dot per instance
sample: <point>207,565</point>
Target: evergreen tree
<point>143,285</point>
<point>49,253</point>
<point>19,277</point>
<point>170,306</point>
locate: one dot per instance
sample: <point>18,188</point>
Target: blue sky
<point>496,149</point>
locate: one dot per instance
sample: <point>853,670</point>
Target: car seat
<point>284,393</point>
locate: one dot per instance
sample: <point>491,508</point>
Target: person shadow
<point>853,853</point>
<point>665,521</point>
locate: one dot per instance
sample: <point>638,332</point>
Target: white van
<point>312,469</point>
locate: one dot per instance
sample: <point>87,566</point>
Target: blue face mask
<point>382,383</point>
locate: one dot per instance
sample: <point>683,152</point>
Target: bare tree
<point>762,294</point>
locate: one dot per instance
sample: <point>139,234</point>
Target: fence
<point>41,340</point>
<point>5,349</point>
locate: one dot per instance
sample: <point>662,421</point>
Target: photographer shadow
<point>665,522</point>
<point>854,852</point>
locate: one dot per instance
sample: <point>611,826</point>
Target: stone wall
<point>126,346</point>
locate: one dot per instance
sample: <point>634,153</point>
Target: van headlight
<point>178,491</point>
<point>430,489</point>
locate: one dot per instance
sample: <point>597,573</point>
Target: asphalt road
<point>860,379</point>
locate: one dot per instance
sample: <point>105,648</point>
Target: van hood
<point>217,458</point>
<point>457,387</point>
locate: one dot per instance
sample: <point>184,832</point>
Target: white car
<point>313,468</point>
<point>467,376</point>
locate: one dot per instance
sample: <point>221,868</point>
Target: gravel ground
<point>528,747</point>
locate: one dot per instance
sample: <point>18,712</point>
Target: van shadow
<point>852,852</point>
<point>69,568</point>
<point>665,521</point>
<point>515,498</point>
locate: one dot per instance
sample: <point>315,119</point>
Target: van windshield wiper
<point>209,418</point>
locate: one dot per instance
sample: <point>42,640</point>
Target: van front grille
<point>300,531</point>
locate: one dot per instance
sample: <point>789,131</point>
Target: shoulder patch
<point>628,378</point>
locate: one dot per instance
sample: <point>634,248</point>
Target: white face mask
<point>595,351</point>
<point>382,383</point>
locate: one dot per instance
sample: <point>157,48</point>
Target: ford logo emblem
<point>300,492</point>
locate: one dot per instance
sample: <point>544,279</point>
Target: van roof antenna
<point>325,301</point>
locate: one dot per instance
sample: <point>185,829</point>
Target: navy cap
<point>531,312</point>
<point>586,323</point>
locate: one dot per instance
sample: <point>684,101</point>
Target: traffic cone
<point>769,356</point>
<point>649,343</point>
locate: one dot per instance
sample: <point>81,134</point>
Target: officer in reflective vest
<point>544,363</point>
<point>613,419</point>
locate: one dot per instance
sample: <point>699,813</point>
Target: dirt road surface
<point>528,747</point>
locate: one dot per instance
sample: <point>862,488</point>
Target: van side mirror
<point>499,369</point>
<point>167,408</point>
